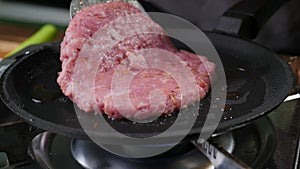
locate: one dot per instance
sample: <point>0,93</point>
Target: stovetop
<point>269,142</point>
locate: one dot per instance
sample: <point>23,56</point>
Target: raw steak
<point>117,61</point>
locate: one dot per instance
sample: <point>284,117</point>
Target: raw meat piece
<point>117,61</point>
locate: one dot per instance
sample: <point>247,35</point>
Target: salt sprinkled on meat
<point>117,61</point>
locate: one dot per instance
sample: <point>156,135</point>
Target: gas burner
<point>87,154</point>
<point>56,151</point>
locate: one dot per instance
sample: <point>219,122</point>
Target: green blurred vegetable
<point>47,33</point>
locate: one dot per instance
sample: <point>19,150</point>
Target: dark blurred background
<point>281,32</point>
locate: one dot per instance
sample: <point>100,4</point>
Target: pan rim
<point>79,133</point>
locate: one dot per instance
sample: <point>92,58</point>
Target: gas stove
<point>269,142</point>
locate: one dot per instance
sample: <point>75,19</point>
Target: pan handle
<point>219,157</point>
<point>247,17</point>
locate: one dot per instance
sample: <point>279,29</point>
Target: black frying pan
<point>30,90</point>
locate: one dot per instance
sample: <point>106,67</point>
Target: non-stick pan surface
<point>257,79</point>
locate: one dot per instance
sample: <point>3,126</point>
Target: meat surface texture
<point>117,61</point>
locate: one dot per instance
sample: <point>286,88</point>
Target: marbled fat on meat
<point>117,61</point>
